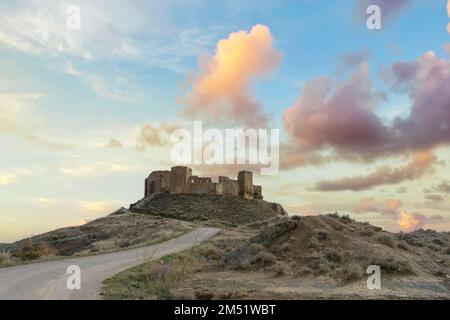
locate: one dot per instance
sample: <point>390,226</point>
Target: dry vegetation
<point>119,231</point>
<point>224,211</point>
<point>307,258</point>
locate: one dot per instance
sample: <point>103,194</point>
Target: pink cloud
<point>339,115</point>
<point>385,175</point>
<point>221,89</point>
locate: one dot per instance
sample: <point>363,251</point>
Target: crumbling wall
<point>229,187</point>
<point>257,192</point>
<point>157,182</point>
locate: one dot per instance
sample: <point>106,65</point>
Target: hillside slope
<point>226,210</point>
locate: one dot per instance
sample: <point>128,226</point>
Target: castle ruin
<point>180,180</point>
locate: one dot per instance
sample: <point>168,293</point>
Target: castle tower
<point>245,180</point>
<point>179,179</point>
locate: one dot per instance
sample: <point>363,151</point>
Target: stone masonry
<point>180,180</point>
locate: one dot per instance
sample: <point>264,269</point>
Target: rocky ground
<point>321,257</point>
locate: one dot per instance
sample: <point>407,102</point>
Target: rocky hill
<point>314,257</point>
<point>110,233</point>
<point>226,210</point>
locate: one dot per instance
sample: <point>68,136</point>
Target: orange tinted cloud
<point>393,204</point>
<point>222,87</point>
<point>409,222</point>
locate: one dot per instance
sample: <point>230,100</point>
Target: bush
<point>333,255</point>
<point>392,264</point>
<point>320,266</point>
<point>403,245</point>
<point>263,257</point>
<point>322,235</point>
<point>386,239</point>
<point>210,252</point>
<point>351,272</point>
<point>5,258</point>
<point>280,268</point>
<point>32,251</point>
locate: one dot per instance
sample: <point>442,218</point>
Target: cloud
<point>448,14</point>
<point>221,89</point>
<point>113,89</point>
<point>339,115</point>
<point>17,117</point>
<point>47,201</point>
<point>426,81</point>
<point>100,167</point>
<point>390,9</point>
<point>151,135</point>
<point>139,32</point>
<point>114,143</point>
<point>6,179</point>
<point>385,175</point>
<point>97,206</point>
<point>15,110</point>
<point>434,197</point>
<point>388,207</point>
<point>410,222</point>
<point>443,187</point>
<point>353,59</point>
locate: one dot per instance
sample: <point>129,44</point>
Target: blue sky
<point>67,93</point>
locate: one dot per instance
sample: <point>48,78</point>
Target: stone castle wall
<point>180,180</point>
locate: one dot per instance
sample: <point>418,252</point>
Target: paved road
<point>47,280</point>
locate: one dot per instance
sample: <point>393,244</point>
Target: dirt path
<point>47,280</point>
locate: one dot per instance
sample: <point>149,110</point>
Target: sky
<point>364,115</point>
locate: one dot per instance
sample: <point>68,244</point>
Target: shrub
<point>305,271</point>
<point>351,272</point>
<point>280,268</point>
<point>403,245</point>
<point>386,239</point>
<point>392,264</point>
<point>32,251</point>
<point>322,235</point>
<point>5,258</point>
<point>210,252</point>
<point>263,257</point>
<point>320,266</point>
<point>333,255</point>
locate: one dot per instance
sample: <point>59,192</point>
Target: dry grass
<point>33,251</point>
<point>5,259</point>
<point>157,279</point>
<point>386,239</point>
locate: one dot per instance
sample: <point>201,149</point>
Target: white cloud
<point>116,89</point>
<point>98,168</point>
<point>6,179</point>
<point>97,206</point>
<point>133,31</point>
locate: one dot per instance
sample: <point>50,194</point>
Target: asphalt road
<point>47,280</point>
